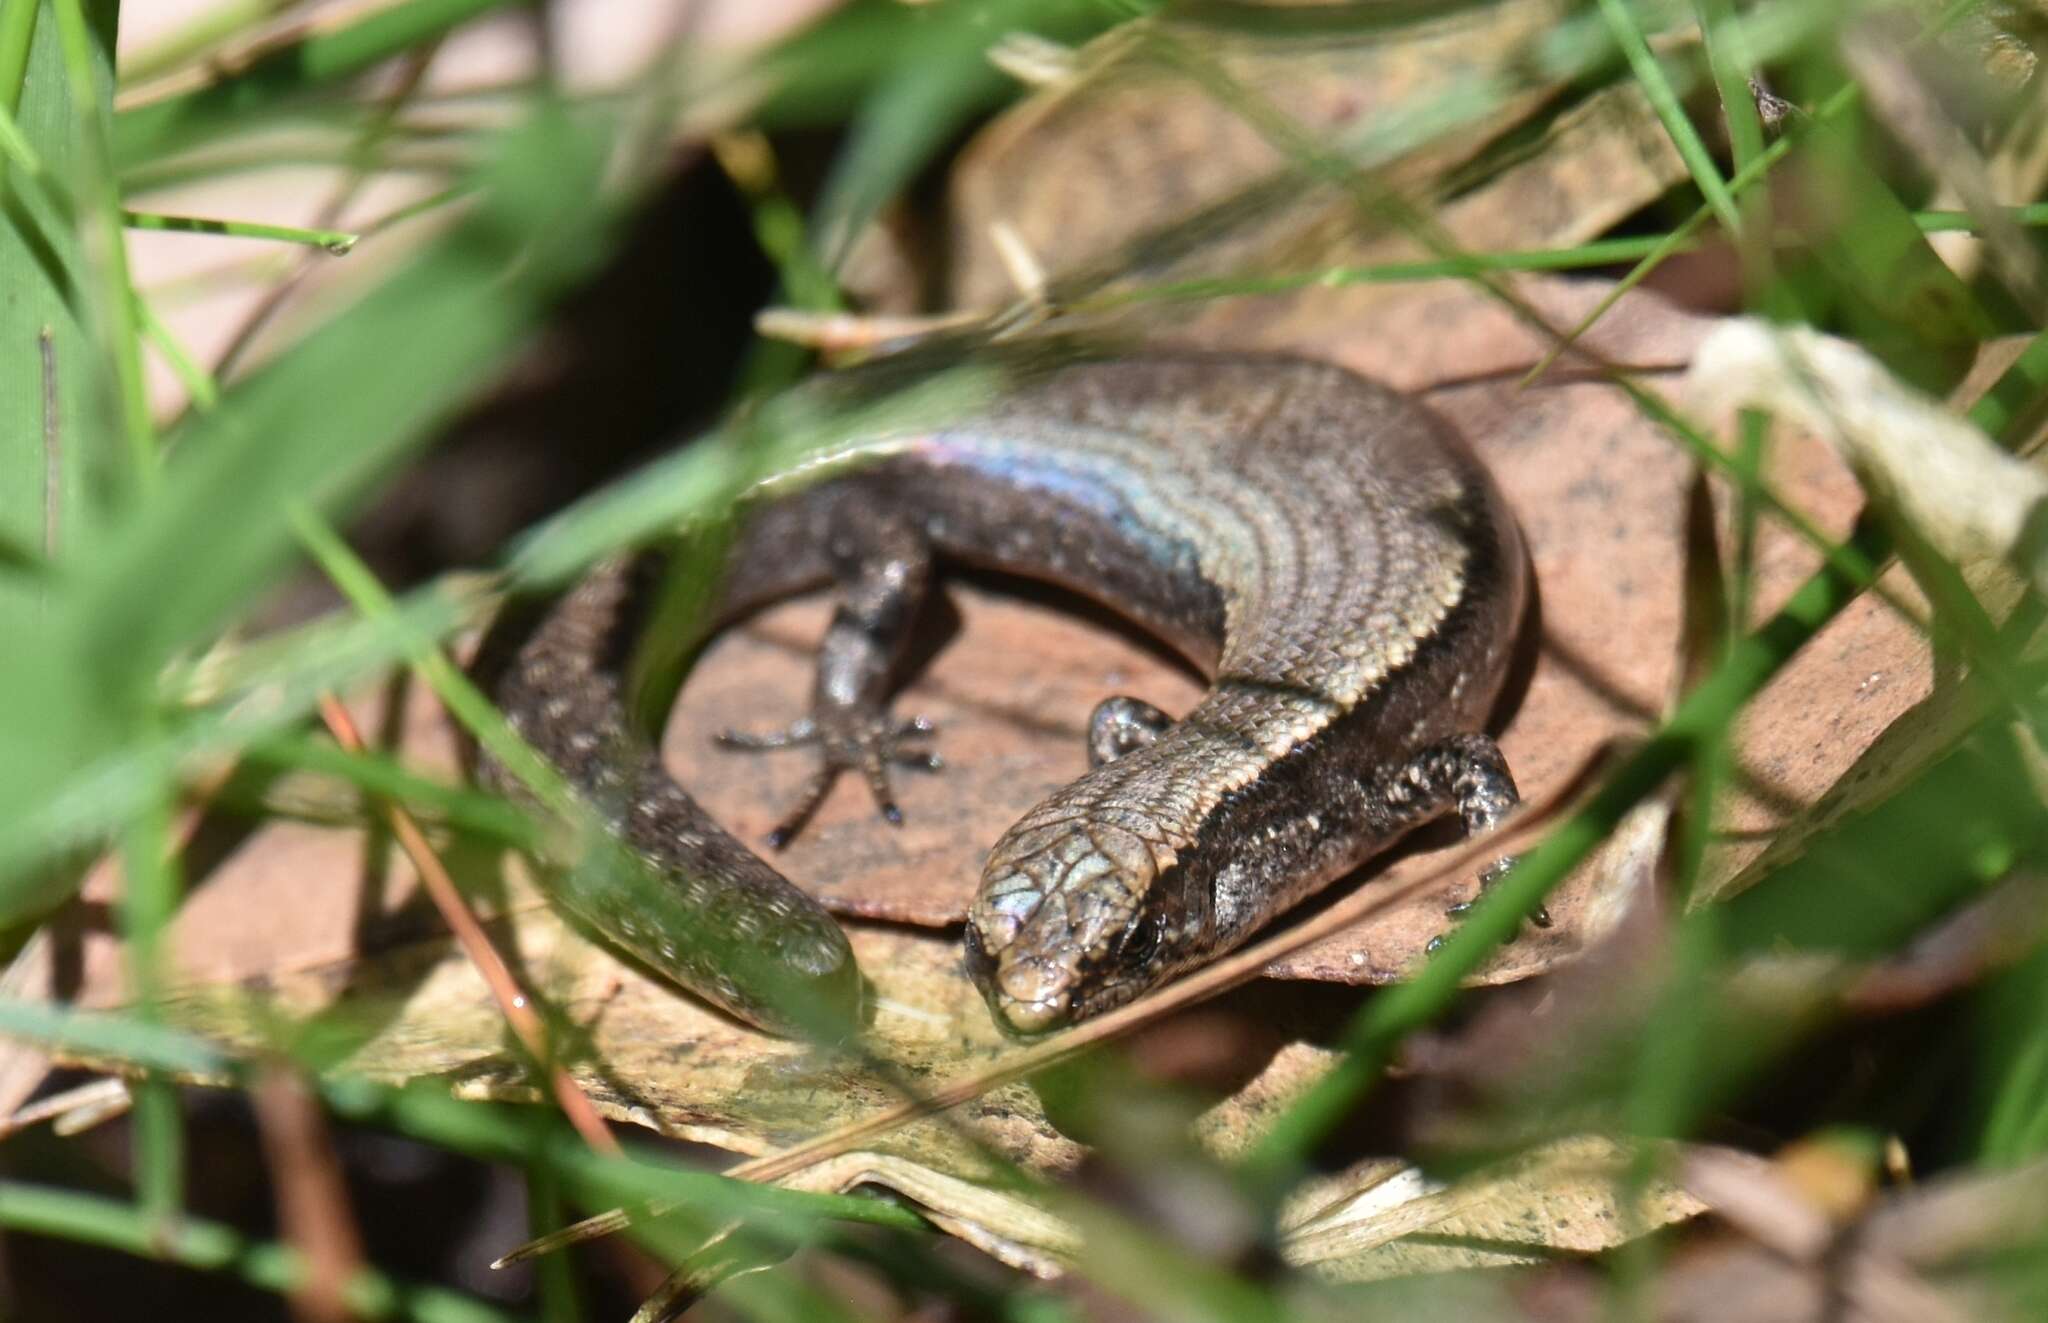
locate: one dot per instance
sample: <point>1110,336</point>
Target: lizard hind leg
<point>884,568</point>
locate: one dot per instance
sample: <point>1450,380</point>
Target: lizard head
<point>1073,918</point>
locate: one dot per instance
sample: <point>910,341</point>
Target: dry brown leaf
<point>1182,152</point>
<point>1161,177</point>
<point>657,1059</point>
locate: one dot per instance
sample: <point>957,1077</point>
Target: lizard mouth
<point>1027,995</point>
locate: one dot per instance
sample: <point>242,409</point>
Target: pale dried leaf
<point>1385,1220</point>
<point>1969,499</point>
<point>1866,686</point>
<point>654,1058</point>
<point>1001,1223</point>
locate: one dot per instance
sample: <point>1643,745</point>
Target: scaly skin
<point>1335,560</point>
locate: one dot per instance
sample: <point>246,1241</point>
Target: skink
<point>1323,548</point>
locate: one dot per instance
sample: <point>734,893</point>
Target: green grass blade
<point>199,384</point>
<point>337,242</point>
<point>700,480</point>
<point>499,1132</point>
<point>1866,884</point>
<point>1649,75</point>
<point>43,464</point>
<point>212,1247</point>
<point>149,899</point>
<point>1579,257</point>
<point>457,692</point>
<point>320,59</point>
<point>1731,65</point>
<point>854,51</point>
<point>554,1274</point>
<point>54,388</point>
<point>284,678</point>
<point>110,1037</point>
<point>17,38</point>
<point>2014,1077</point>
<point>352,399</point>
<point>1751,661</point>
<point>938,76</point>
<point>206,30</point>
<point>88,52</point>
<point>1867,270</point>
<point>1898,291</point>
<point>355,396</point>
<point>384,778</point>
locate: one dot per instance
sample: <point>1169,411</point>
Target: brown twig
<point>512,1000</point>
<point>313,1211</point>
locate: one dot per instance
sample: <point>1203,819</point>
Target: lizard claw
<point>1497,870</point>
<point>911,732</point>
<point>848,740</point>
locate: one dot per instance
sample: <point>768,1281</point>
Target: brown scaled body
<point>1323,548</point>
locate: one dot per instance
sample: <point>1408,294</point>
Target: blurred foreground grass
<point>131,544</point>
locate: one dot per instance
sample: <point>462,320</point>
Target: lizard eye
<point>980,964</point>
<point>1141,940</point>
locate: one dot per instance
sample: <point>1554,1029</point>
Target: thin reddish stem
<point>513,1000</point>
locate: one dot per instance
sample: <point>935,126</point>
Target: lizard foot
<point>1495,871</point>
<point>854,739</point>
